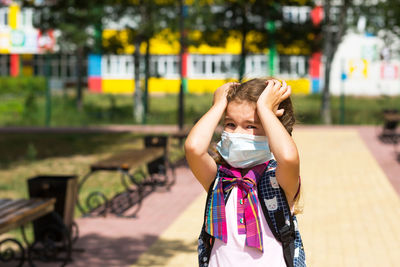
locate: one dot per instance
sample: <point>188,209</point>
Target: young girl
<point>254,184</point>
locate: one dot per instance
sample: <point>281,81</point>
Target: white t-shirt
<point>235,253</point>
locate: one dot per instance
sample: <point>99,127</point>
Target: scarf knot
<point>247,206</point>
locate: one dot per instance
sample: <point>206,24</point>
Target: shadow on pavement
<point>164,250</point>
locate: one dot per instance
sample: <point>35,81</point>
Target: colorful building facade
<point>19,40</point>
<point>206,67</point>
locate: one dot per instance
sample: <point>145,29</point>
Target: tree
<point>261,17</point>
<point>146,19</point>
<point>334,29</point>
<point>77,22</point>
<point>383,19</point>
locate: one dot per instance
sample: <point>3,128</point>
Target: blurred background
<point>158,62</point>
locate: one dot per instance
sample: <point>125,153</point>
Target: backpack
<point>277,213</point>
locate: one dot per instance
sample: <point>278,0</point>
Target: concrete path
<point>351,210</point>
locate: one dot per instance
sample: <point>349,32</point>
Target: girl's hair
<point>250,91</point>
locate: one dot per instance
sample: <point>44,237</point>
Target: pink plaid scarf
<point>247,211</point>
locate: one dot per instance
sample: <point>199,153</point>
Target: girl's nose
<point>240,130</point>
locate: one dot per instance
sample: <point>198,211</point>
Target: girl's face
<point>241,117</point>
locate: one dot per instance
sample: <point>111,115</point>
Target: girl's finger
<point>270,84</point>
<point>277,84</point>
<point>287,93</point>
<point>283,88</point>
<point>279,112</point>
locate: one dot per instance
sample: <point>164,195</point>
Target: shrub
<point>27,88</point>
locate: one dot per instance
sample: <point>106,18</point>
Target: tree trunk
<point>242,60</point>
<point>326,99</point>
<point>243,53</point>
<point>181,109</point>
<point>333,37</point>
<point>79,78</point>
<point>146,77</point>
<point>138,109</point>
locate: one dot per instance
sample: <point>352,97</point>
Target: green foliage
<point>26,89</point>
<point>146,19</point>
<point>76,20</point>
<point>216,19</point>
<point>102,109</point>
<point>22,86</point>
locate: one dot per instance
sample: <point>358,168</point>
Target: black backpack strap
<point>286,236</point>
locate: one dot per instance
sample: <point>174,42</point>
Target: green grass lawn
<point>99,109</point>
<point>102,109</point>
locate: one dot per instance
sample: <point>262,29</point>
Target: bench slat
<point>3,201</point>
<point>7,202</point>
<point>392,117</point>
<point>31,206</point>
<point>128,159</point>
<point>33,209</point>
<point>12,206</point>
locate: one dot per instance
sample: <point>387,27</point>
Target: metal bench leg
<point>78,202</point>
<point>9,253</point>
<point>53,240</point>
<point>172,168</point>
<point>93,201</point>
<point>132,196</point>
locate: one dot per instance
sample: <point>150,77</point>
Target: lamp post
<point>48,89</point>
<point>270,26</point>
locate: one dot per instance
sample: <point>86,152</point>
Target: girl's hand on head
<point>274,93</point>
<point>221,93</point>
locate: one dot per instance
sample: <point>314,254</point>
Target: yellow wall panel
<point>205,86</point>
<point>117,86</point>
<point>164,86</point>
<point>300,86</point>
<point>27,70</point>
<point>195,86</point>
<point>172,86</point>
<point>13,16</point>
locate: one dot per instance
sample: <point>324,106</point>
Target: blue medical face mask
<point>244,150</point>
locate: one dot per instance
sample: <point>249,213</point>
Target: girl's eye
<point>230,124</point>
<point>251,127</point>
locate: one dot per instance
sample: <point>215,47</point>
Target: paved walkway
<point>351,210</point>
<point>351,189</point>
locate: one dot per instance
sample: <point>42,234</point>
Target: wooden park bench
<point>134,179</point>
<point>16,213</point>
<point>391,119</point>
